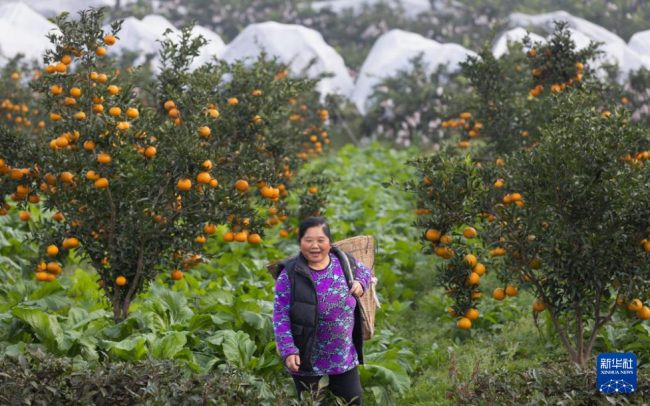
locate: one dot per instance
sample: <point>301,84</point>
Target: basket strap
<point>373,282</point>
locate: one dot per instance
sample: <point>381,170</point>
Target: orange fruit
<point>52,250</point>
<point>41,267</point>
<point>75,92</point>
<point>229,237</point>
<point>511,290</point>
<point>150,152</point>
<point>214,113</point>
<point>132,112</point>
<point>241,185</point>
<point>114,111</point>
<point>16,174</point>
<point>54,267</point>
<point>432,235</point>
<point>472,279</point>
<point>34,199</point>
<point>643,314</point>
<point>635,305</point>
<point>451,312</point>
<point>214,183</point>
<point>80,115</point>
<point>102,78</point>
<point>174,113</point>
<point>207,165</point>
<point>61,142</point>
<point>470,260</point>
<point>60,67</point>
<point>472,314</point>
<point>479,269</point>
<point>257,93</point>
<point>204,131</point>
<point>24,215</point>
<point>646,246</point>
<point>313,190</point>
<point>50,69</point>
<point>203,177</point>
<point>71,242</point>
<point>41,276</point>
<point>89,145</point>
<point>233,101</point>
<point>104,159</point>
<point>210,229</point>
<point>200,239</point>
<point>469,232</point>
<point>55,117</point>
<point>539,305</point>
<point>120,281</point>
<point>241,237</point>
<point>169,105</point>
<point>579,66</point>
<point>100,51</point>
<point>184,184</point>
<point>109,40</point>
<point>58,217</point>
<point>177,275</point>
<point>254,239</point>
<point>499,294</point>
<point>66,177</point>
<point>445,239</point>
<point>464,323</point>
<point>101,183</point>
<point>283,233</point>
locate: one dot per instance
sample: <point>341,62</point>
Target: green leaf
<point>169,345</point>
<point>45,327</point>
<point>200,322</point>
<point>391,375</point>
<point>238,348</point>
<point>131,349</point>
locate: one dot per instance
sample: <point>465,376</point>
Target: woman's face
<point>314,245</point>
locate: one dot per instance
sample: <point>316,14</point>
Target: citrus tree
<point>18,107</point>
<point>136,189</point>
<point>510,98</point>
<point>567,220</point>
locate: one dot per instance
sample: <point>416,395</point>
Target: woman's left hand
<point>357,289</point>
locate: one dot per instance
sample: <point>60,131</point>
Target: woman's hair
<point>310,222</point>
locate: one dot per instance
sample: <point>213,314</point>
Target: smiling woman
<point>317,314</point>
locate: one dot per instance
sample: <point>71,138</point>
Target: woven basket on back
<point>363,249</point>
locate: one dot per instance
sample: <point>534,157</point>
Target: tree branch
<point>111,205</point>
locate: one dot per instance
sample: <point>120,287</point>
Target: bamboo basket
<point>363,249</point>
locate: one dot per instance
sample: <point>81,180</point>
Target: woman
<point>316,314</point>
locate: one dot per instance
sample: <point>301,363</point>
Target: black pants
<point>346,385</point>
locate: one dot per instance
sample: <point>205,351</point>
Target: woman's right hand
<point>293,362</point>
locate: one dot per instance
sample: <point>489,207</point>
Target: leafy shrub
<point>557,383</point>
<point>41,379</point>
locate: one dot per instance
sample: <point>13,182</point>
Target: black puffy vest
<point>303,313</point>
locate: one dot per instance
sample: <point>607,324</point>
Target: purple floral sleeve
<point>281,322</point>
<point>364,276</point>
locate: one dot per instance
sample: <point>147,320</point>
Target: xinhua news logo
<point>616,373</point>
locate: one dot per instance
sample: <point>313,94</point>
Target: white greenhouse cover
<point>295,45</point>
<point>23,30</point>
<point>500,46</point>
<point>393,51</point>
